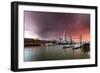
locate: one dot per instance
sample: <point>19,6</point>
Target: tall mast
<point>80,40</point>
<point>71,39</point>
<point>64,36</point>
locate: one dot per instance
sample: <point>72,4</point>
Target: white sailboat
<point>65,42</point>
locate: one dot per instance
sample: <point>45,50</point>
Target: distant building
<point>37,42</point>
<point>30,42</point>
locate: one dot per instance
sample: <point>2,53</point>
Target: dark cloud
<point>49,24</point>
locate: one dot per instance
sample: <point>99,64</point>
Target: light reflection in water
<point>44,53</point>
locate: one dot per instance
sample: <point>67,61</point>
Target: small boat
<point>67,46</point>
<point>77,46</point>
<point>49,44</point>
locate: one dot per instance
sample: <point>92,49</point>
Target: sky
<point>52,25</point>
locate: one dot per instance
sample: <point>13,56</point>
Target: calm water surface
<point>44,53</point>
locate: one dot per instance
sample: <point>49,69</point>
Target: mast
<point>64,37</point>
<point>80,40</point>
<point>71,42</point>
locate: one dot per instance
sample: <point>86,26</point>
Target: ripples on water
<point>44,53</point>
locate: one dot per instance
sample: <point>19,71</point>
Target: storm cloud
<point>49,25</point>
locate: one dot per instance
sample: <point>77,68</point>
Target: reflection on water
<point>44,53</point>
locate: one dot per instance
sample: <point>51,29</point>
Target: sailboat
<point>65,42</point>
<point>78,45</point>
<point>68,45</point>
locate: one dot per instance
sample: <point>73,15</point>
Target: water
<point>56,52</point>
